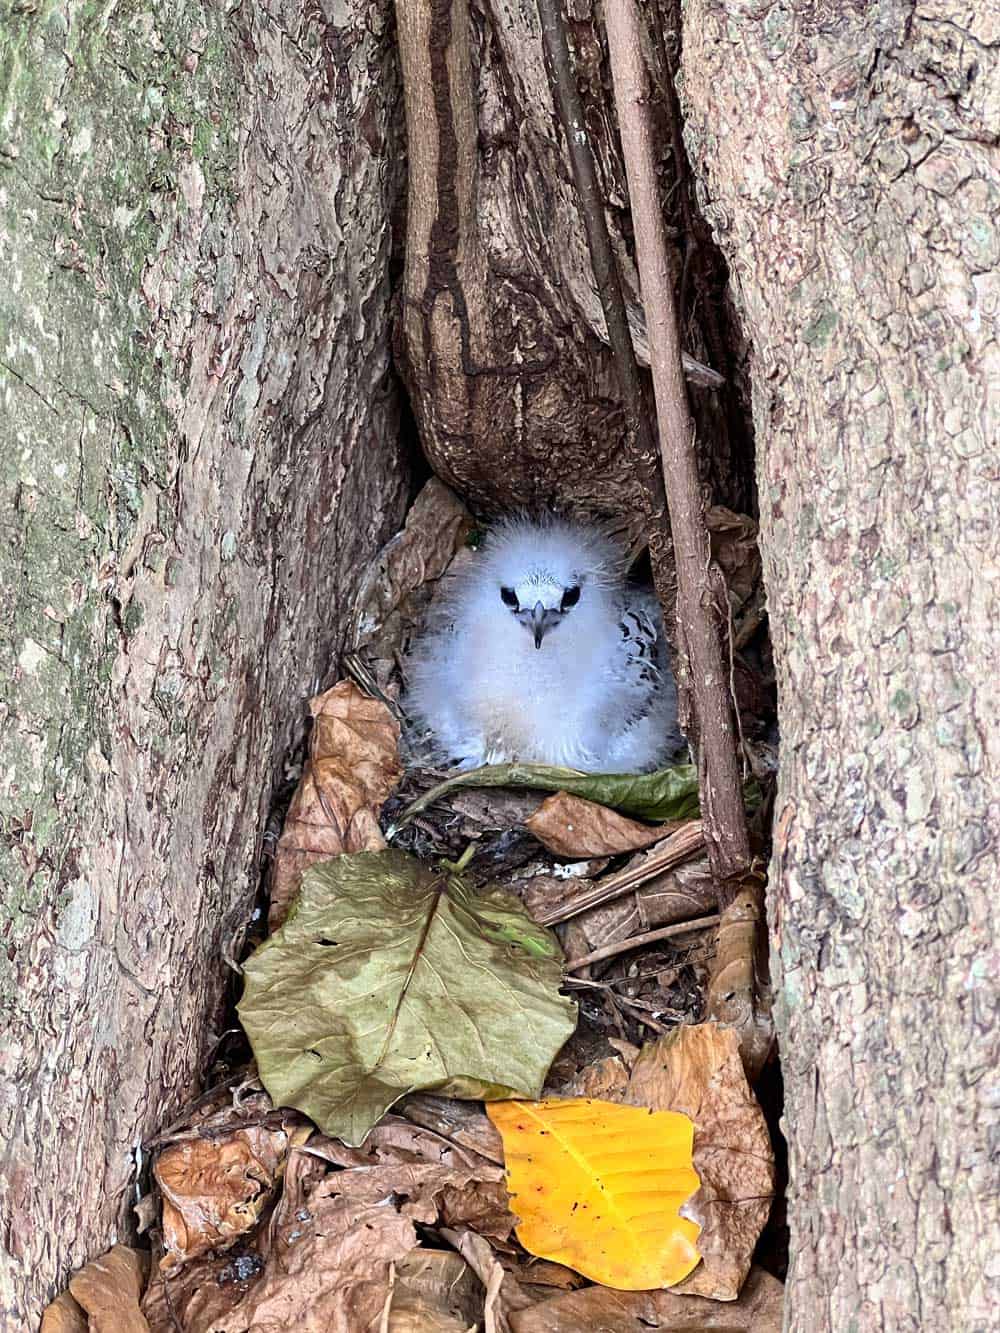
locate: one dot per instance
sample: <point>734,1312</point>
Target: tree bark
<point>847,159</point>
<point>200,455</point>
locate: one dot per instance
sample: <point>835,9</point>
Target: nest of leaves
<point>518,934</point>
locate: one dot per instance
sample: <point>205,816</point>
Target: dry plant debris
<point>759,1309</point>
<point>390,976</point>
<point>698,1070</point>
<point>572,827</point>
<point>669,793</point>
<point>353,766</point>
<point>215,1184</point>
<point>599,1186</point>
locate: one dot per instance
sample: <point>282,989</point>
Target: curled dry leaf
<point>669,793</point>
<point>504,1294</point>
<point>698,1070</point>
<point>758,1310</point>
<point>572,827</point>
<point>461,1123</point>
<point>735,994</point>
<point>353,767</point>
<point>435,529</point>
<point>215,1188</point>
<point>110,1290</point>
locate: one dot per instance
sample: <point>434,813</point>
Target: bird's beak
<point>538,624</point>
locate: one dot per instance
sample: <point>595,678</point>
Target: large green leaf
<point>390,976</point>
<point>669,793</point>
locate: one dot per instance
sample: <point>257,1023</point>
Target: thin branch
<point>637,941</point>
<point>723,814</point>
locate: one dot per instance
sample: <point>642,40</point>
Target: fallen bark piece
<point>353,768</point>
<point>758,1310</point>
<point>698,1070</point>
<point>110,1290</point>
<point>390,977</point>
<point>598,1186</point>
<point>573,827</point>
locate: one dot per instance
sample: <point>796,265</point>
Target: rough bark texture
<point>849,167</point>
<point>501,333</point>
<point>199,458</point>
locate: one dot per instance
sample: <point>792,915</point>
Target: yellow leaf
<point>598,1187</point>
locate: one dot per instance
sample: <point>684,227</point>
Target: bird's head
<point>540,602</point>
<point>545,574</point>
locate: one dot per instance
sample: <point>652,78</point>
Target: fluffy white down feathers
<point>539,651</point>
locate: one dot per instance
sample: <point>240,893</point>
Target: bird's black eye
<point>509,598</point>
<point>570,597</point>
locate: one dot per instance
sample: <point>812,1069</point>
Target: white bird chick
<point>540,652</point>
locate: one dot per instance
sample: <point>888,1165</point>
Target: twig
<point>721,790</point>
<point>675,849</point>
<point>637,941</point>
<point>638,1014</point>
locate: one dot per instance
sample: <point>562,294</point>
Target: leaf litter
<point>268,1217</point>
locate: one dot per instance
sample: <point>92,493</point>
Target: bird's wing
<point>641,649</point>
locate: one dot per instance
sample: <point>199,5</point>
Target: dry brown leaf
<point>504,1294</point>
<point>353,767</point>
<point>682,894</point>
<point>110,1289</point>
<point>436,527</point>
<point>758,1310</point>
<point>63,1315</point>
<point>734,548</point>
<point>735,995</point>
<point>606,1080</point>
<point>214,1188</point>
<point>461,1123</point>
<point>573,827</point>
<point>199,1294</point>
<point>434,1181</point>
<point>330,1274</point>
<point>698,1070</point>
<point>434,1291</point>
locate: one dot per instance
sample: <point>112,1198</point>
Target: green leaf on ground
<point>390,976</point>
<point>669,793</point>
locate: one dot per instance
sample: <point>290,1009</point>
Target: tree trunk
<point>200,457</point>
<point>848,164</point>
